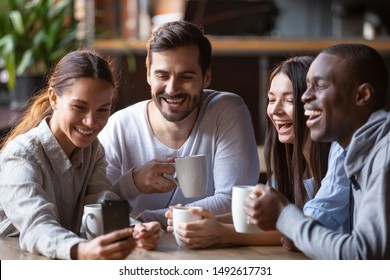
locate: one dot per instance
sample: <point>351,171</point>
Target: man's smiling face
<point>177,82</point>
<point>330,99</point>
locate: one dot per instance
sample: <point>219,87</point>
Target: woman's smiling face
<point>280,107</point>
<point>81,112</point>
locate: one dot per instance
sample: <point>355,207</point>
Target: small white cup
<point>240,219</point>
<point>191,175</point>
<point>93,220</point>
<point>182,214</point>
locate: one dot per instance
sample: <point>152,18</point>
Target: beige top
<point>42,191</point>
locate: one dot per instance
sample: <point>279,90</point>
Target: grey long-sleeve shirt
<point>223,132</point>
<point>42,191</point>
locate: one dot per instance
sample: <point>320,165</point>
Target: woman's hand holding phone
<point>116,245</point>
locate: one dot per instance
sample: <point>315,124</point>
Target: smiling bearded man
<point>182,118</point>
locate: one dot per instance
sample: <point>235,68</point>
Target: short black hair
<point>367,66</point>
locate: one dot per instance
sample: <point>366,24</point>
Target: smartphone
<point>115,215</point>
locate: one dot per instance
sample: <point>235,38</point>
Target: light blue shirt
<point>307,183</point>
<point>330,206</point>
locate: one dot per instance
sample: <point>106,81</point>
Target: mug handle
<point>84,222</point>
<point>172,177</point>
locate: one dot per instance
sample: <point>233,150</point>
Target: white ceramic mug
<point>191,175</point>
<point>93,220</point>
<point>182,214</point>
<point>240,219</point>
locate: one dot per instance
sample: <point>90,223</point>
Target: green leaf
<point>17,22</point>
<point>39,39</point>
<point>61,7</point>
<point>9,61</point>
<point>25,62</point>
<point>7,45</point>
<point>34,34</point>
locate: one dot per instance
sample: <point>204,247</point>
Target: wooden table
<point>10,250</point>
<point>168,250</point>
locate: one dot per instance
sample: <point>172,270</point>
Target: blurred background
<point>279,18</point>
<point>248,38</point>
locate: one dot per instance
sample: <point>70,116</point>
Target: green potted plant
<point>34,34</point>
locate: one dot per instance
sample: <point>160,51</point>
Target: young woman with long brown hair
<point>52,164</point>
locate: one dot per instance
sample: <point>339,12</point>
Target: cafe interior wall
<point>337,19</point>
<point>303,19</point>
<point>296,19</point>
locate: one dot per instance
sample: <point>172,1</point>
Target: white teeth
<point>312,113</point>
<point>176,100</point>
<point>282,122</point>
<point>86,132</point>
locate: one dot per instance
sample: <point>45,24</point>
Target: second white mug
<point>191,172</point>
<point>182,214</point>
<point>92,220</point>
<point>240,219</point>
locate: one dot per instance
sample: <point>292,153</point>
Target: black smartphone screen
<point>115,215</point>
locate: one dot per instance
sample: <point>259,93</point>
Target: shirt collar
<point>55,152</point>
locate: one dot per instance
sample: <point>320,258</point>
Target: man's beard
<point>175,115</point>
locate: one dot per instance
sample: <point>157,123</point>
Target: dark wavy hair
<point>180,33</point>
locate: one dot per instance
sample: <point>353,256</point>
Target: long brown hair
<point>76,64</point>
<point>286,162</point>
